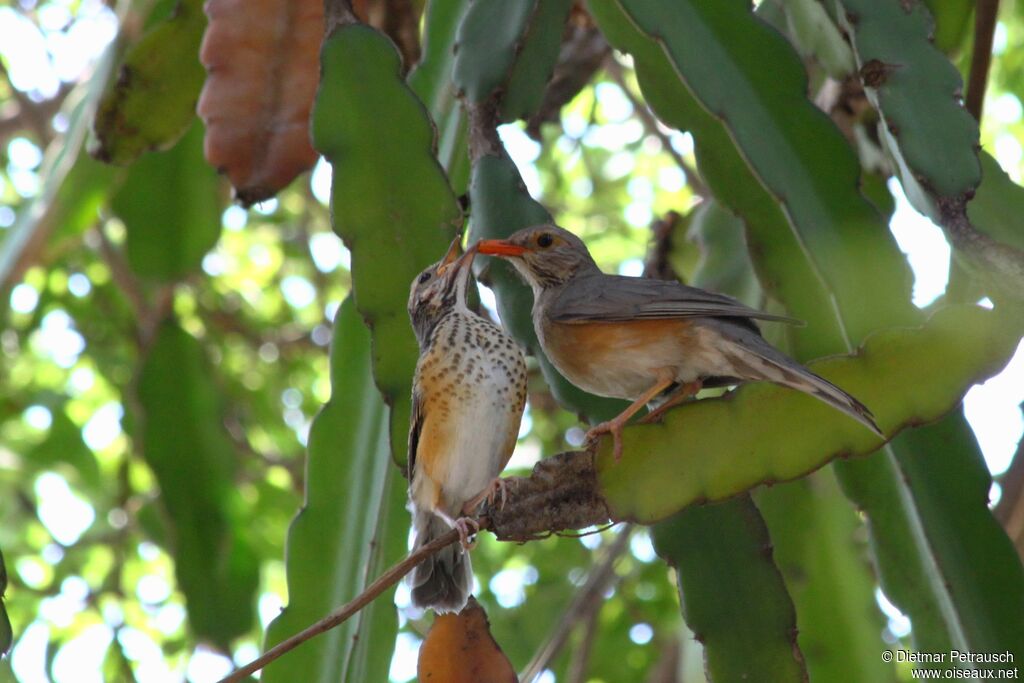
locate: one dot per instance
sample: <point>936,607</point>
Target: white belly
<point>472,398</point>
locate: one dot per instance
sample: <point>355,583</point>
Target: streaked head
<point>439,288</point>
<point>545,255</point>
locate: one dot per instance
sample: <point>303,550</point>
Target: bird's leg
<point>463,526</point>
<point>678,396</point>
<point>497,489</point>
<point>615,425</point>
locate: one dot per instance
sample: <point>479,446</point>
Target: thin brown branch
<point>999,264</point>
<point>984,28</point>
<point>579,663</point>
<point>561,493</point>
<point>29,114</point>
<point>151,308</point>
<point>121,274</point>
<point>294,466</point>
<point>1010,509</point>
<point>400,20</point>
<point>340,615</point>
<point>36,115</point>
<point>584,49</point>
<point>650,122</point>
<point>234,322</point>
<point>591,592</point>
<point>666,670</point>
<point>657,265</point>
<point>483,129</point>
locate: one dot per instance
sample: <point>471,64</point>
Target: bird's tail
<point>442,582</point>
<point>776,367</point>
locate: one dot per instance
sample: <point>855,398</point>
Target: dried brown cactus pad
<point>459,648</point>
<point>262,63</point>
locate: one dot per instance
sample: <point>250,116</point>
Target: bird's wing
<point>415,429</point>
<point>611,298</point>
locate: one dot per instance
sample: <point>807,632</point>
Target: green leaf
<point>487,44</point>
<point>812,525</point>
<point>975,557</point>
<point>915,89</point>
<point>391,201</point>
<point>905,562</point>
<point>952,23</point>
<point>501,205</point>
<point>116,665</point>
<point>766,608</point>
<point>784,267</point>
<point>184,443</point>
<point>509,50</point>
<point>80,201</point>
<point>73,186</point>
<point>351,526</point>
<point>815,534</point>
<point>908,376</point>
<point>743,616</point>
<point>747,75</point>
<point>998,206</point>
<point>152,101</point>
<point>430,80</point>
<point>794,273</point>
<point>927,131</point>
<point>170,204</point>
<point>536,59</point>
<point>724,264</point>
<point>817,35</point>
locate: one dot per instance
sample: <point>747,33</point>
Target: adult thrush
<point>468,396</point>
<point>649,341</point>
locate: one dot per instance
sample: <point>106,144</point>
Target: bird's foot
<point>466,526</point>
<point>492,493</point>
<point>613,427</point>
<point>678,396</point>
<point>463,526</point>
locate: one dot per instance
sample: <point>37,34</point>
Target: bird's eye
<point>545,240</point>
<point>425,276</point>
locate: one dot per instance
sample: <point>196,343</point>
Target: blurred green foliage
<point>164,354</point>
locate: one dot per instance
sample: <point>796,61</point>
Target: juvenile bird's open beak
<point>454,251</point>
<point>455,261</point>
<point>465,261</point>
<point>500,248</point>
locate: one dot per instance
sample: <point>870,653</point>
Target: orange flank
<point>577,347</point>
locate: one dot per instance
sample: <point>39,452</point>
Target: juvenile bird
<point>646,340</point>
<point>469,392</point>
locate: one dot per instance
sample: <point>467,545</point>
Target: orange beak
<point>500,248</point>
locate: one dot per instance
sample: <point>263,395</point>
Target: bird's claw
<point>463,526</point>
<point>497,489</point>
<point>610,427</point>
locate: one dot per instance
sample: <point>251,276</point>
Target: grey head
<point>439,289</point>
<point>546,255</point>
